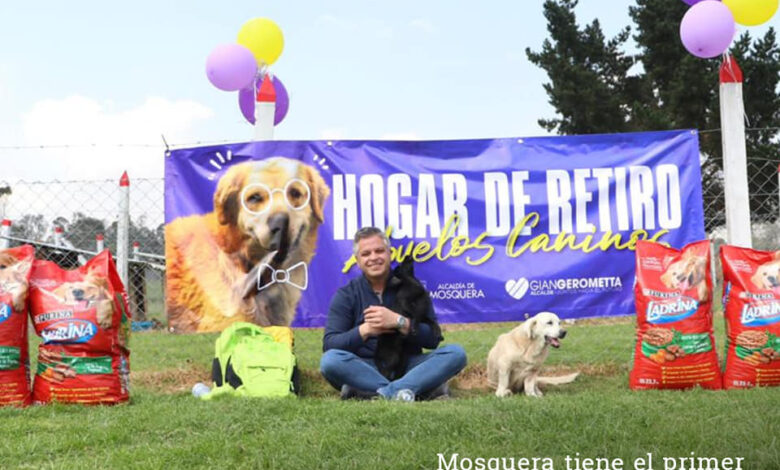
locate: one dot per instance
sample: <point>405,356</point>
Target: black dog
<point>413,302</point>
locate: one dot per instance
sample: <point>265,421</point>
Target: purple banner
<point>498,228</point>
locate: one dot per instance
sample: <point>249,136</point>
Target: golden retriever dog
<point>93,291</point>
<point>264,224</point>
<point>689,272</point>
<point>767,275</point>
<point>515,360</point>
<point>13,280</point>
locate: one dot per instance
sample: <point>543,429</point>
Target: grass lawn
<point>596,416</point>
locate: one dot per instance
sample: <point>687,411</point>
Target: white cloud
<point>376,28</point>
<point>423,25</point>
<point>333,134</point>
<point>336,22</point>
<point>100,141</point>
<point>411,135</point>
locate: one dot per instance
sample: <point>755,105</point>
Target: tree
<point>594,89</point>
<point>31,227</point>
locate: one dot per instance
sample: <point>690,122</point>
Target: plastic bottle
<point>200,389</point>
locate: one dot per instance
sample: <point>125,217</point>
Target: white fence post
<point>123,228</point>
<point>58,231</point>
<point>265,108</point>
<point>732,122</point>
<point>136,250</point>
<point>5,231</point>
<point>99,243</point>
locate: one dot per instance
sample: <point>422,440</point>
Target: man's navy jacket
<point>346,315</point>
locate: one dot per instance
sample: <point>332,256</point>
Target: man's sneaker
<point>404,395</point>
<point>442,392</point>
<point>348,392</point>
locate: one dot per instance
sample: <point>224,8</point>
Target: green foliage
<point>597,87</point>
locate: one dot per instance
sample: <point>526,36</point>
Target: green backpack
<point>248,362</point>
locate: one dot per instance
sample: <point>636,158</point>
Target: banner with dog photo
<point>498,228</point>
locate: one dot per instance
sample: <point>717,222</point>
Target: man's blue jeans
<point>424,373</point>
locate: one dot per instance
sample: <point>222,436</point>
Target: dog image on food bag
<point>688,273</point>
<point>14,273</point>
<point>767,275</point>
<point>516,359</point>
<point>228,265</point>
<point>92,291</point>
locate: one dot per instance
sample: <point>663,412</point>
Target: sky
<point>96,84</point>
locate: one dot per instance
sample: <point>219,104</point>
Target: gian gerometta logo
<point>517,288</point>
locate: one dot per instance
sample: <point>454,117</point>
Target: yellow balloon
<point>752,12</point>
<point>264,38</point>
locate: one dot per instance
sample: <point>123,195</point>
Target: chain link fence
<point>69,222</point>
<point>65,221</point>
<point>763,171</point>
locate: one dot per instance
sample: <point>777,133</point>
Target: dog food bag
<point>15,265</point>
<point>83,320</point>
<point>752,306</point>
<point>675,347</point>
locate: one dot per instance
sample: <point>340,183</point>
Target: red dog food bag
<point>675,347</point>
<point>752,302</point>
<point>83,320</point>
<point>15,266</point>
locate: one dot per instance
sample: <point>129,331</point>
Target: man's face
<point>373,257</point>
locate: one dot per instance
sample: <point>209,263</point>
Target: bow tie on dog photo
<point>283,276</point>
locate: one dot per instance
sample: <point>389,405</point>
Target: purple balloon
<point>231,67</point>
<point>707,29</point>
<point>246,100</point>
<point>693,2</point>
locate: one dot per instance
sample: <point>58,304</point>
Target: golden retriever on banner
<point>247,260</point>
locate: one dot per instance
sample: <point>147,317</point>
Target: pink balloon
<point>707,29</point>
<point>246,100</point>
<point>231,67</point>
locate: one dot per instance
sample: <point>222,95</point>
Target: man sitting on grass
<point>359,313</point>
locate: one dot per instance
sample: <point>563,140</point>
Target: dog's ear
<point>319,191</point>
<point>407,266</point>
<point>528,327</point>
<point>22,267</point>
<point>226,203</point>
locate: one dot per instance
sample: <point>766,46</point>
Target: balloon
<point>230,67</point>
<point>246,100</point>
<point>707,29</point>
<point>264,38</point>
<point>752,12</point>
<point>692,2</point>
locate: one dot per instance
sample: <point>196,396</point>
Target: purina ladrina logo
<point>5,312</point>
<point>671,310</point>
<point>761,313</point>
<point>69,331</point>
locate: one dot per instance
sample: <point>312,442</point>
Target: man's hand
<point>382,317</point>
<point>368,330</point>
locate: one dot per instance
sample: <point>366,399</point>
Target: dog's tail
<point>563,379</point>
